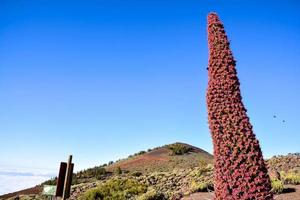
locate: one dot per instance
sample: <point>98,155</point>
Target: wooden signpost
<point>64,180</point>
<point>68,179</point>
<point>61,179</point>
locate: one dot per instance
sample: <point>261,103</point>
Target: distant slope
<point>161,159</point>
<point>29,191</point>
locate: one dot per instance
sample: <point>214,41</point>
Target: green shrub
<point>116,189</point>
<point>201,186</point>
<point>99,172</point>
<point>75,179</point>
<point>136,173</point>
<point>141,153</point>
<point>110,162</point>
<point>95,172</point>
<point>179,149</point>
<point>93,194</point>
<point>152,195</point>
<point>202,164</point>
<point>204,167</point>
<point>118,170</point>
<point>277,186</point>
<point>291,178</point>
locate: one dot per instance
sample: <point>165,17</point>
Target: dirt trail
<point>293,193</point>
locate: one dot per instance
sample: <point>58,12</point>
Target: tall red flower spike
<point>240,171</point>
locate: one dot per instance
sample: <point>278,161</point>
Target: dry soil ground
<point>293,193</point>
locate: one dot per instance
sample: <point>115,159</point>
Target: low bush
<point>116,189</point>
<point>201,186</point>
<point>95,172</point>
<point>291,178</point>
<point>75,180</point>
<point>137,154</point>
<point>99,172</point>
<point>204,167</point>
<point>136,173</point>
<point>110,162</point>
<point>202,164</point>
<point>152,194</point>
<point>277,186</point>
<point>140,153</point>
<point>179,149</point>
<point>118,170</point>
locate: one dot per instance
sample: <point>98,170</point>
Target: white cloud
<point>14,179</point>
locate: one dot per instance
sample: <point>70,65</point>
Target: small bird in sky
<point>274,116</point>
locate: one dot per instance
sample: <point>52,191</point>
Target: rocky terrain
<point>176,171</point>
<point>284,163</point>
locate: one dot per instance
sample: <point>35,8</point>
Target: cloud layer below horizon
<point>12,180</point>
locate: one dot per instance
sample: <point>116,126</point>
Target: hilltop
<point>163,159</point>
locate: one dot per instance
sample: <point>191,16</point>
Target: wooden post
<point>68,179</point>
<point>61,179</point>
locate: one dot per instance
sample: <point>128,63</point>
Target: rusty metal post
<point>68,179</point>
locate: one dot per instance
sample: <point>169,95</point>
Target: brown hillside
<point>29,191</point>
<point>161,159</point>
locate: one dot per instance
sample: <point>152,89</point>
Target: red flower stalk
<point>240,171</point>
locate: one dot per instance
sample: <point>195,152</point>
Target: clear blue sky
<point>105,79</point>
